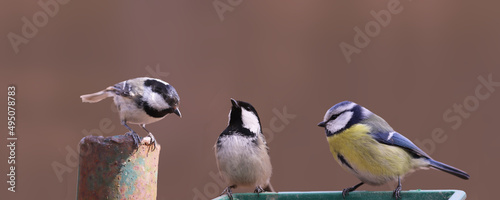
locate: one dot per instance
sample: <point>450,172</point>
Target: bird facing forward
<point>140,101</point>
<point>241,151</point>
<point>365,145</point>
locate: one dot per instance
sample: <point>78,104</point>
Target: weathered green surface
<point>111,169</point>
<point>357,195</point>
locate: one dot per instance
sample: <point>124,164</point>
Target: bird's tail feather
<point>449,169</point>
<point>96,97</point>
<point>269,188</point>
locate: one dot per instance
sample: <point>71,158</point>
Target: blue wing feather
<point>396,139</point>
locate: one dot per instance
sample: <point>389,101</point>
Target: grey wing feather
<point>264,141</point>
<point>396,139</point>
<point>122,88</point>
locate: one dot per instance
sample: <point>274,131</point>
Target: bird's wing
<point>395,139</point>
<point>123,88</point>
<point>265,142</point>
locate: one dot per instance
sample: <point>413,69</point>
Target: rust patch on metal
<point>110,168</point>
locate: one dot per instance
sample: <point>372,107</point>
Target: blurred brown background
<point>276,55</point>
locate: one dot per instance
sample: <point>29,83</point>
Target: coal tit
<point>140,101</point>
<point>241,151</point>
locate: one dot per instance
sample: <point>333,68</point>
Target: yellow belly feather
<point>367,156</point>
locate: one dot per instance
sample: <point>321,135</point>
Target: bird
<point>241,151</point>
<point>141,101</point>
<point>364,144</point>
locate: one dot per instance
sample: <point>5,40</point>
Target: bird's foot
<point>345,192</point>
<point>228,192</point>
<point>258,190</point>
<point>152,143</point>
<point>396,194</point>
<point>397,191</point>
<point>135,137</point>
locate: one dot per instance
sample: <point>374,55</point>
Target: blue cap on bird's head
<point>362,141</point>
<point>342,116</point>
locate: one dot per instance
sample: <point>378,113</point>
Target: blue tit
<point>241,151</point>
<point>365,145</point>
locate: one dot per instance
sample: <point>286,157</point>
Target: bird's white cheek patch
<point>339,123</point>
<point>250,121</point>
<point>155,100</point>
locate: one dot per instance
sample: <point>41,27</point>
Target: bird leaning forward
<point>140,101</point>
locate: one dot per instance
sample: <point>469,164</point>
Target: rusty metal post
<point>110,168</point>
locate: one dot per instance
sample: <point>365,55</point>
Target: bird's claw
<point>152,143</point>
<point>228,192</point>
<point>135,137</point>
<point>345,192</point>
<point>258,190</point>
<point>396,194</point>
<point>397,191</point>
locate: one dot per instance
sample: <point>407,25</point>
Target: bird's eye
<point>333,117</point>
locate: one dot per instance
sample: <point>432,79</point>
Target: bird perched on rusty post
<point>140,101</point>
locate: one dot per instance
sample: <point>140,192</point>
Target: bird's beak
<point>178,112</point>
<point>235,103</point>
<point>322,124</point>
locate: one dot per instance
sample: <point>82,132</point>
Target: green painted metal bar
<point>110,168</point>
<point>356,195</point>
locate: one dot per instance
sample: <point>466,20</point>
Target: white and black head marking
<point>243,121</point>
<point>244,115</point>
<point>160,98</point>
<point>342,116</point>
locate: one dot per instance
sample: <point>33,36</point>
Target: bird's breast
<point>243,161</point>
<point>133,113</point>
<point>369,160</point>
